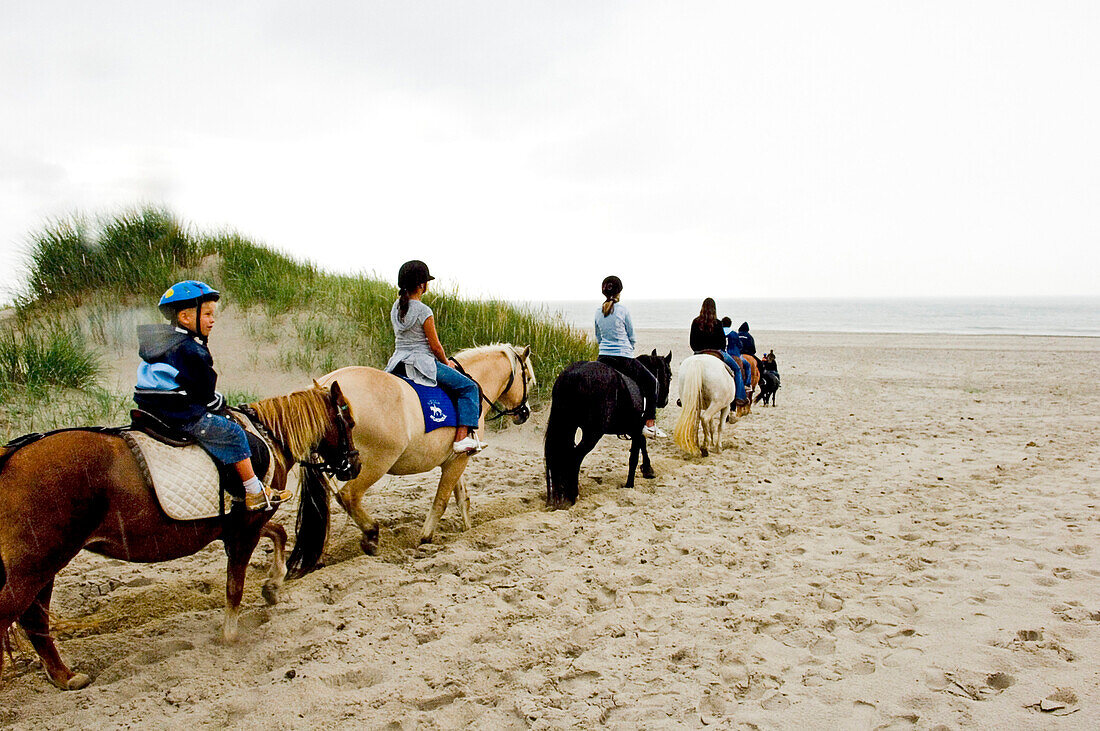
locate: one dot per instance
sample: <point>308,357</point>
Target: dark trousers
<point>647,382</point>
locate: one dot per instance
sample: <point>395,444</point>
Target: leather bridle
<point>498,413</point>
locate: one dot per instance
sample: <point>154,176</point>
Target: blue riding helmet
<point>189,293</point>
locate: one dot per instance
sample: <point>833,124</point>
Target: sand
<point>908,539</point>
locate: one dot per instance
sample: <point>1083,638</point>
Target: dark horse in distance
<point>598,400</point>
<point>82,488</point>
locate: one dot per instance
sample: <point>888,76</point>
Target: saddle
<point>717,354</point>
<point>188,482</point>
<point>437,405</point>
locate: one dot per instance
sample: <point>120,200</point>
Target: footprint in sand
<point>902,658</point>
<point>161,650</point>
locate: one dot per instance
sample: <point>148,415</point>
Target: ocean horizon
<point>1062,316</point>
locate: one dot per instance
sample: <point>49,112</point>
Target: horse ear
<point>525,353</point>
<point>668,358</point>
<point>317,385</point>
<point>336,391</point>
<point>654,353</point>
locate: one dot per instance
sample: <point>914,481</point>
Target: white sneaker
<point>469,445</point>
<point>653,432</point>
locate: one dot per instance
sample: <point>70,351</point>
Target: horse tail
<point>686,434</point>
<point>562,472</point>
<point>311,525</point>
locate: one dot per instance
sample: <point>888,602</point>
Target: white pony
<point>706,390</point>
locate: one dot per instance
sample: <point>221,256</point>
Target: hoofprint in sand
<point>910,538</point>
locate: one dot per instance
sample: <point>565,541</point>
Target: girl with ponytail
<point>615,335</point>
<point>419,352</point>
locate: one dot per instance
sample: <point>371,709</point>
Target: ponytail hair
<point>402,303</point>
<point>610,288</point>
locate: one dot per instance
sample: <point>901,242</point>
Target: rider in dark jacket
<point>748,345</point>
<point>176,381</point>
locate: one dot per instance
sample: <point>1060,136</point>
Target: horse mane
<point>297,420</point>
<point>507,348</point>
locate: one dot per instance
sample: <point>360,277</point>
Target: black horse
<point>598,400</point>
<point>769,379</point>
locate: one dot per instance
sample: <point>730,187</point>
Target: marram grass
<point>116,267</point>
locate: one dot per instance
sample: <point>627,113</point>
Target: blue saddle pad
<point>439,409</point>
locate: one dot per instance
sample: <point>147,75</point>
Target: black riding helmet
<point>611,286</point>
<point>412,274</point>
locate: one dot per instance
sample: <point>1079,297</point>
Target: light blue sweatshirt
<point>615,333</point>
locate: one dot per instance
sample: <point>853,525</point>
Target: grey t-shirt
<point>411,344</point>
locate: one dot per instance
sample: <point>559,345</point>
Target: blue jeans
<point>735,366</point>
<point>222,438</point>
<point>465,392</point>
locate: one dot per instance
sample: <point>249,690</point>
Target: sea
<point>1069,316</point>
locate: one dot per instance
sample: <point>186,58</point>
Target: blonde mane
<point>297,420</point>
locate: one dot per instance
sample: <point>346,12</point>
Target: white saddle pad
<point>185,479</point>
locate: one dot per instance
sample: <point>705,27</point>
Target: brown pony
<point>82,488</point>
<point>750,385</point>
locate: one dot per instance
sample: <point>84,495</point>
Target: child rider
<point>176,381</point>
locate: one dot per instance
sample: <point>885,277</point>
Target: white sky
<point>527,149</point>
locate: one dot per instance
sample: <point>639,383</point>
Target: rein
<point>315,461</point>
<point>497,412</point>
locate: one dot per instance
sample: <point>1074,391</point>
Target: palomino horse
<point>75,488</point>
<point>706,389</point>
<point>389,432</point>
<point>594,398</point>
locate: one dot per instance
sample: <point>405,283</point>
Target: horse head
<point>336,447</point>
<point>661,368</point>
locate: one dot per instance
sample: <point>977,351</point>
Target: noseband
<point>497,412</point>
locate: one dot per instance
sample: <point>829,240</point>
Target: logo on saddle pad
<point>439,409</point>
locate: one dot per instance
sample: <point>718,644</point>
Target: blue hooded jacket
<point>748,345</point>
<point>177,378</point>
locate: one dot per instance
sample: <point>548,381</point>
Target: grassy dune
<point>91,280</point>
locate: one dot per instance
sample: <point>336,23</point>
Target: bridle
<point>341,468</point>
<point>496,412</point>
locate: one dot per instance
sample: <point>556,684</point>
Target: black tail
<point>311,526</point>
<point>562,469</point>
<point>3,574</point>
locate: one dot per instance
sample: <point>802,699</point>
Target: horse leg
<point>274,581</point>
<point>35,621</point>
<point>647,468</point>
<point>462,500</point>
<point>350,498</point>
<point>239,546</point>
<point>450,474</point>
<point>635,446</point>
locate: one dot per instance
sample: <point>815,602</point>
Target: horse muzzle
<point>522,415</point>
<point>349,467</point>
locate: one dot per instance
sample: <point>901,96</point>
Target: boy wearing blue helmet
<point>176,382</point>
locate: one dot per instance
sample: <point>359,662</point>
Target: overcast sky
<point>527,149</point>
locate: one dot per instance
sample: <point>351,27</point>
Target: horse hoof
<point>369,546</point>
<point>425,539</point>
<point>270,592</point>
<point>704,452</point>
<point>648,474</point>
<point>76,681</point>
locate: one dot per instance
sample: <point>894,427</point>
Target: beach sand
<point>909,539</point>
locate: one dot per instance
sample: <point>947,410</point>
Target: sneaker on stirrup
<point>469,445</point>
<point>266,499</point>
<point>652,432</point>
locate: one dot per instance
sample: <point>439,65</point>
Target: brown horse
<point>75,489</point>
<point>750,385</point>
